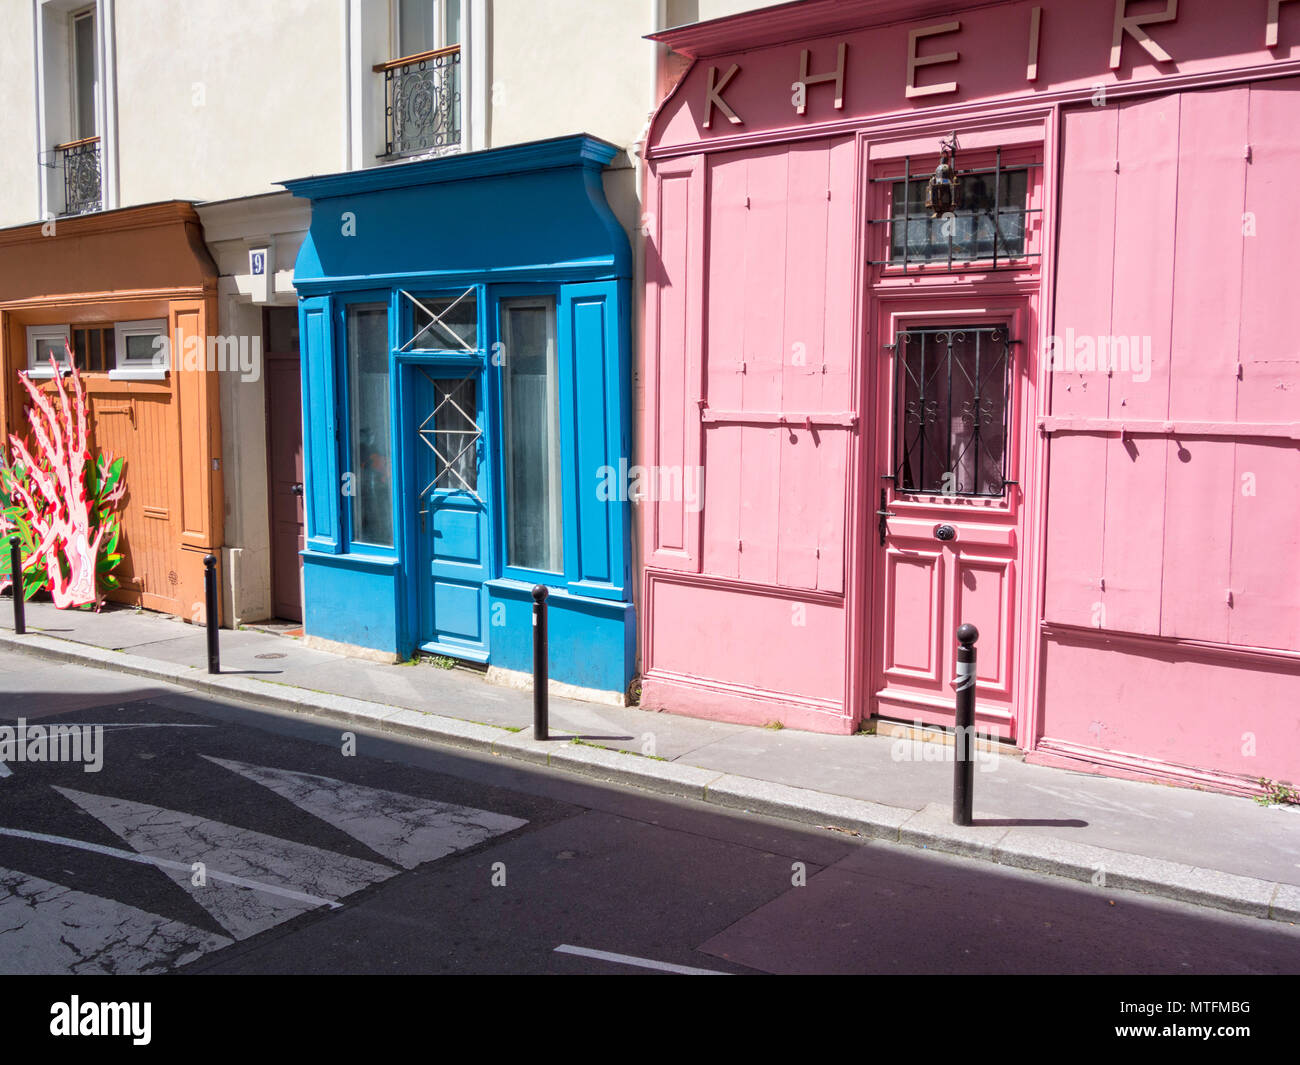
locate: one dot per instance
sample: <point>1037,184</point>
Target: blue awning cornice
<point>525,210</point>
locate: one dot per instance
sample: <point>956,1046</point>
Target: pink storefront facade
<point>1065,408</point>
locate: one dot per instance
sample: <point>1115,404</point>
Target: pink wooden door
<point>947,540</point>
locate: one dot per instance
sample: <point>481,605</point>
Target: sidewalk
<point>1215,850</point>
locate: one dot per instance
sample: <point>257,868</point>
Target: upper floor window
<point>85,75</point>
<point>427,25</point>
<point>72,84</point>
<point>422,86</point>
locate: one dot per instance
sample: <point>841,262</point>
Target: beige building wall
<point>19,201</point>
<point>222,98</point>
<point>580,66</point>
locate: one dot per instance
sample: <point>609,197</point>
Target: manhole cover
<point>270,654</point>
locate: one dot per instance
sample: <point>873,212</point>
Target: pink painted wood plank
<point>1266,547</point>
<point>804,298</point>
<point>805,492</point>
<point>1207,278</point>
<point>1075,529</point>
<point>765,258</point>
<point>727,273</point>
<point>721,500</point>
<point>1086,260</point>
<point>1146,201</point>
<point>1198,538</point>
<point>760,462</point>
<point>833,448</point>
<point>1133,544</point>
<point>1269,390</point>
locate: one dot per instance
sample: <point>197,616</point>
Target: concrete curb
<point>929,828</point>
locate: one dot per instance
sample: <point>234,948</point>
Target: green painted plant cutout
<point>61,501</point>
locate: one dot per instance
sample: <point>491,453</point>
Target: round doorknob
<point>945,532</point>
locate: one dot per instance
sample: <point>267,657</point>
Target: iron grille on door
<point>952,407</point>
<point>452,433</point>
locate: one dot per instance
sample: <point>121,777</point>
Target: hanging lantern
<point>943,193</point>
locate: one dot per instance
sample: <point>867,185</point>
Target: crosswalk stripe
<point>304,875</point>
<point>404,828</point>
<point>50,928</point>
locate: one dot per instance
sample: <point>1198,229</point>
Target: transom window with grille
<point>444,323</point>
<point>989,224</point>
<point>952,388</point>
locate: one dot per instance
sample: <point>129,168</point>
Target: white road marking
<point>49,928</point>
<point>301,871</point>
<point>644,963</point>
<point>5,771</point>
<point>404,828</point>
<point>163,863</point>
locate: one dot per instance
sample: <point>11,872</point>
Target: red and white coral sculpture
<point>65,496</point>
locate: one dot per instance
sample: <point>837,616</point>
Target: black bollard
<point>16,586</point>
<point>210,611</point>
<point>963,784</point>
<point>540,675</point>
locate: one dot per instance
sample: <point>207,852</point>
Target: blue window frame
<point>366,405</point>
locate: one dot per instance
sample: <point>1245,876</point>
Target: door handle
<point>884,514</point>
<point>296,488</point>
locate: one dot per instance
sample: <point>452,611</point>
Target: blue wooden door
<point>452,520</point>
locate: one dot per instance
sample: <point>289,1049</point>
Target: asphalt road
<point>218,838</point>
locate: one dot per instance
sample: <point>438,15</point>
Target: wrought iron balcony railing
<point>82,182</point>
<point>422,103</point>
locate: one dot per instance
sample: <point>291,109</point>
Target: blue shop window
<point>530,401</point>
<point>368,474</point>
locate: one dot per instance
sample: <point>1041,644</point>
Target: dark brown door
<point>284,454</point>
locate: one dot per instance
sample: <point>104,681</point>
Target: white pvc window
<point>142,351</point>
<point>44,341</point>
<point>531,404</point>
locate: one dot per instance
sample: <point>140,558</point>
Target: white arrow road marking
<point>404,828</point>
<point>162,863</point>
<point>177,837</point>
<point>644,963</point>
<point>49,928</point>
<point>5,771</point>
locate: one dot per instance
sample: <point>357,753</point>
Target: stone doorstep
<point>929,828</point>
<point>936,734</point>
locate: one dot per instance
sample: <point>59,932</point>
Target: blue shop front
<point>466,393</point>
